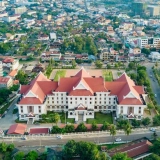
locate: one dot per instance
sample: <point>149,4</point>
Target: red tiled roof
<point>4,80</point>
<point>39,131</point>
<point>124,86</point>
<point>134,149</point>
<point>40,87</point>
<point>82,73</point>
<point>17,129</point>
<point>8,60</point>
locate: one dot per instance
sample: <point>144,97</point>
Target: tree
<point>146,121</point>
<point>73,64</point>
<point>121,156</point>
<point>136,123</point>
<point>94,126</point>
<point>152,157</point>
<point>127,129</point>
<point>145,51</point>
<point>156,120</point>
<point>131,65</point>
<point>22,77</point>
<point>113,131</point>
<point>69,128</point>
<point>10,147</point>
<point>87,151</point>
<point>3,147</point>
<point>121,123</point>
<point>56,118</point>
<point>56,129</point>
<point>105,126</point>
<point>150,106</point>
<point>102,156</point>
<point>98,64</point>
<point>19,156</point>
<point>81,128</point>
<point>70,149</point>
<point>155,147</point>
<point>32,155</point>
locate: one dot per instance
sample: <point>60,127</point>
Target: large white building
<point>81,95</point>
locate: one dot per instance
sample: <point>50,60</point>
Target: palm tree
<point>113,131</point>
<point>127,129</point>
<point>56,118</point>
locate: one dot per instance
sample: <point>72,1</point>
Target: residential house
<point>6,82</point>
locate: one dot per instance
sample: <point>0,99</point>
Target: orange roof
<point>13,73</point>
<point>16,82</point>
<point>17,129</point>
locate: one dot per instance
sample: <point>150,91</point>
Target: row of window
<point>80,98</point>
<point>85,102</point>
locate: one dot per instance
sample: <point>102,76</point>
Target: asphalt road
<point>9,118</point>
<point>96,139</point>
<point>154,84</point>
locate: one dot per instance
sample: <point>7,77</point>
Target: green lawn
<point>108,75</point>
<point>100,118</point>
<point>109,146</point>
<point>119,73</point>
<point>70,120</point>
<point>59,74</point>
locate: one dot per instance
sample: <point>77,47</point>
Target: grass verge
<point>108,75</point>
<point>100,118</point>
<point>59,74</point>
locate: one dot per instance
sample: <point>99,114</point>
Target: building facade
<point>81,95</point>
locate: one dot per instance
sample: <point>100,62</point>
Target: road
<point>154,84</point>
<point>9,118</point>
<point>100,138</point>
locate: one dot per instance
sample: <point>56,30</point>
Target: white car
<point>118,139</point>
<point>152,129</point>
<point>59,137</point>
<point>155,95</point>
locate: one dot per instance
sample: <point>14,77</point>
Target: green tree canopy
<point>19,156</point>
<point>32,155</point>
<point>98,64</point>
<point>121,156</point>
<point>70,149</point>
<point>146,121</point>
<point>81,128</point>
<point>69,128</point>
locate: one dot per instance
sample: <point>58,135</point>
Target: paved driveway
<point>154,84</point>
<point>9,118</point>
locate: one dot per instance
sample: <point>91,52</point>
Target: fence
<point>86,134</point>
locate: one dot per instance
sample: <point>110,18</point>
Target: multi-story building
<point>154,10</point>
<point>81,95</point>
<point>6,82</point>
<point>1,69</point>
<point>10,63</point>
<point>20,10</point>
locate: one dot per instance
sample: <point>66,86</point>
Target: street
<point>9,118</point>
<point>101,138</point>
<point>154,84</point>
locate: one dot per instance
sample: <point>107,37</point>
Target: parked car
<point>24,138</point>
<point>118,139</point>
<point>155,95</point>
<point>59,137</point>
<point>152,129</point>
